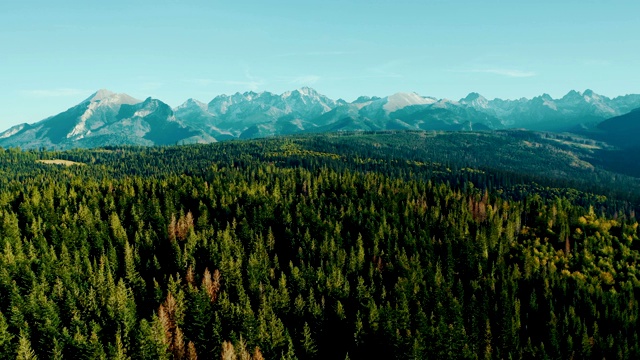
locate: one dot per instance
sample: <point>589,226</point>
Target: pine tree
<point>24,350</point>
<point>151,340</point>
<point>228,352</point>
<point>57,352</point>
<point>191,353</point>
<point>5,338</point>
<point>119,352</point>
<point>488,349</point>
<point>290,352</point>
<point>307,342</point>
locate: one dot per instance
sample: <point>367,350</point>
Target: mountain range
<point>107,118</point>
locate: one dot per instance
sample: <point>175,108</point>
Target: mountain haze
<point>107,118</point>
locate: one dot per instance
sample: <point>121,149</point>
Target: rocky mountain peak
<point>107,117</point>
<point>107,96</point>
<point>472,97</point>
<point>100,95</point>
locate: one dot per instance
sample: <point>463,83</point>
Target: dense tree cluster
<point>288,249</point>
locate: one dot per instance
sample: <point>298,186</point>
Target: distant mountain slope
<point>107,118</point>
<point>263,114</point>
<point>549,114</point>
<point>241,111</point>
<point>97,111</point>
<point>623,131</point>
<point>199,118</point>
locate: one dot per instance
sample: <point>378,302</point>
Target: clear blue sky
<point>55,53</point>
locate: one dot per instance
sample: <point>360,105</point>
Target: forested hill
<point>390,245</point>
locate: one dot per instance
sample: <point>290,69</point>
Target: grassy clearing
<point>59,162</point>
<point>588,146</point>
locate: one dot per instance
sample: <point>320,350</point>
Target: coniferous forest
<point>316,247</point>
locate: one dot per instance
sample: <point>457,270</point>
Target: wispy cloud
<point>304,80</point>
<point>250,82</point>
<point>388,69</point>
<point>206,82</point>
<point>253,83</point>
<point>596,62</point>
<point>314,54</point>
<point>49,93</point>
<point>151,85</point>
<point>199,81</point>
<point>514,73</point>
<point>510,72</point>
<point>362,77</point>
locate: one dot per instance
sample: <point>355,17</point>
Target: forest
<point>350,246</point>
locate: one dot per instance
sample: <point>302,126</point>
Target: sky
<point>56,53</point>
